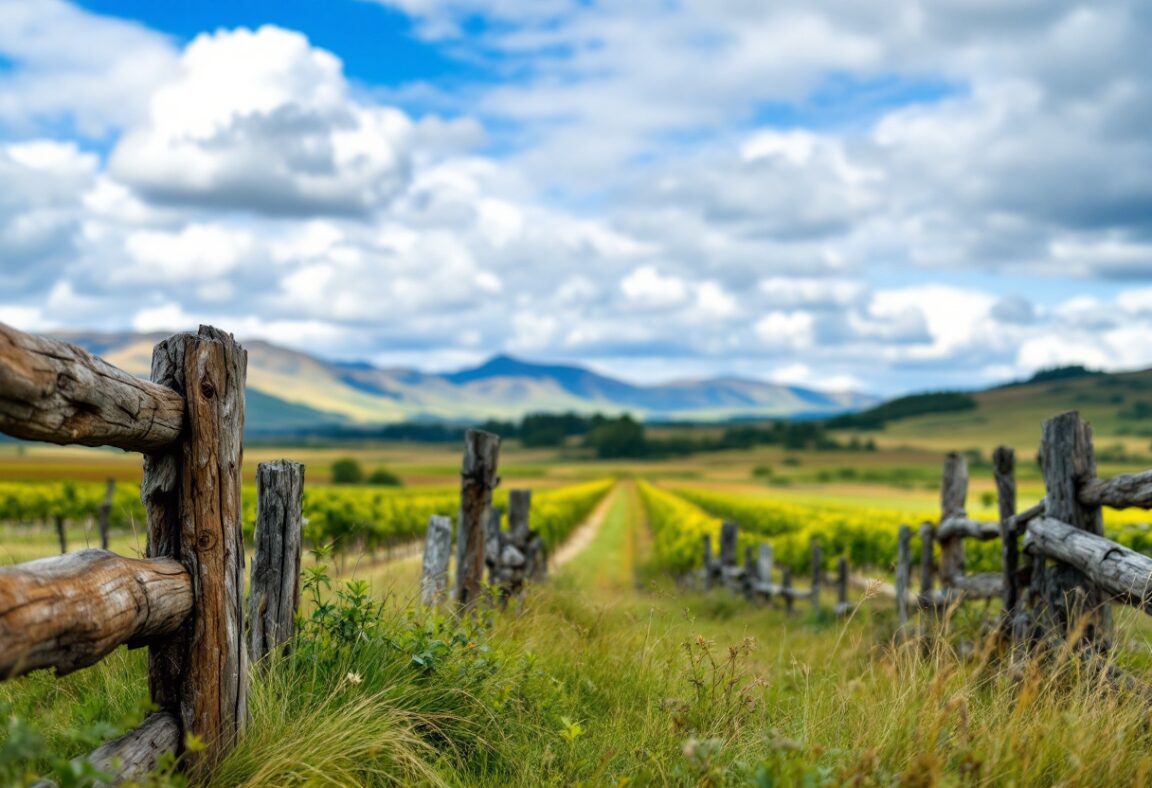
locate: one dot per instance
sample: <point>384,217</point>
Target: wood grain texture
<point>1123,574</point>
<point>477,480</point>
<point>1126,491</point>
<point>275,589</point>
<point>70,611</point>
<point>137,753</point>
<point>192,495</point>
<point>56,392</point>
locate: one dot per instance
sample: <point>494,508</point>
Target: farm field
<point>610,674</point>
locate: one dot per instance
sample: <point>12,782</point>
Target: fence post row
<point>185,600</point>
<point>275,592</point>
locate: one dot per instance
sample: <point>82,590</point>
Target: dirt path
<point>585,533</point>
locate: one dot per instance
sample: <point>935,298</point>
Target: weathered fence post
<point>764,567</point>
<point>191,492</point>
<point>729,533</point>
<point>275,594</point>
<point>786,587</point>
<point>953,496</point>
<point>842,586</point>
<point>1004,469</point>
<point>493,541</point>
<point>437,551</point>
<point>926,540</point>
<point>1067,460</point>
<point>903,570</point>
<point>106,512</point>
<point>817,573</point>
<point>519,510</point>
<point>751,570</point>
<point>477,480</point>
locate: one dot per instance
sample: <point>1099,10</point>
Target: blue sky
<point>895,196</point>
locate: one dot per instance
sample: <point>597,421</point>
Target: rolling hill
<point>290,390</point>
<point>1119,406</point>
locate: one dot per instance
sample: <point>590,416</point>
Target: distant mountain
<point>290,390</point>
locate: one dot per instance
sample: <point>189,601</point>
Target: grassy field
<point>612,673</point>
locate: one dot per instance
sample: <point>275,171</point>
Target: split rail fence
<point>184,600</point>
<point>1060,580</point>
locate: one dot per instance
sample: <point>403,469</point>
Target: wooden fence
<point>755,578</point>
<point>184,601</point>
<point>1060,581</point>
<point>512,556</point>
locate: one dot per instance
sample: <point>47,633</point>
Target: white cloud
<point>785,330</point>
<point>262,121</point>
<point>95,71</point>
<point>648,287</point>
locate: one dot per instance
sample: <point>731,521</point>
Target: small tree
<point>385,478</point>
<point>347,471</point>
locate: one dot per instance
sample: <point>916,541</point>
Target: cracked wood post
<point>191,493</point>
<point>953,496</point>
<point>817,571</point>
<point>106,512</point>
<point>477,480</point>
<point>903,570</point>
<point>1069,599</point>
<point>437,551</point>
<point>275,594</point>
<point>1004,470</point>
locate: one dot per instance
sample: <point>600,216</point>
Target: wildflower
<point>354,678</point>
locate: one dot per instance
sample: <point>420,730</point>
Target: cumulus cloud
<point>261,121</point>
<point>741,185</point>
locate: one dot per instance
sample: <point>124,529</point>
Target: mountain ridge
<point>295,387</point>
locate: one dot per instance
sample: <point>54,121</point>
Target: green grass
<point>611,674</point>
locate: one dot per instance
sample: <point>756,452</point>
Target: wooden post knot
<point>207,389</point>
<point>205,540</point>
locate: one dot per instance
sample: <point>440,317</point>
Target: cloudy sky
<point>890,196</point>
